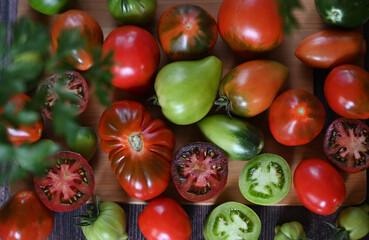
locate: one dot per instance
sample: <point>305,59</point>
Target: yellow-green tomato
<point>290,231</point>
<point>186,90</point>
<point>84,142</point>
<point>355,220</point>
<point>109,225</point>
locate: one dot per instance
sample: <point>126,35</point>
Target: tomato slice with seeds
<point>199,171</point>
<point>72,82</point>
<point>265,179</point>
<point>346,144</point>
<point>68,184</point>
<point>232,220</point>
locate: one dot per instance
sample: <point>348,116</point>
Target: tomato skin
<point>24,217</point>
<point>136,62</point>
<point>135,12</point>
<point>27,133</point>
<point>140,148</point>
<point>296,117</point>
<point>346,90</point>
<point>330,48</point>
<point>164,218</point>
<point>50,7</point>
<point>248,25</point>
<point>319,186</point>
<point>187,32</point>
<point>251,87</point>
<point>90,31</point>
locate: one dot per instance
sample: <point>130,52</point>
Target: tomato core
<point>136,142</point>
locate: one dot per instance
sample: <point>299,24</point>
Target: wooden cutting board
<point>301,77</point>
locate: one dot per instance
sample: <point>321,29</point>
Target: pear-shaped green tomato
<point>186,90</point>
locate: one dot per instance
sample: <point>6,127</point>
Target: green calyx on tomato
<point>24,216</point>
<point>187,32</point>
<point>104,221</point>
<point>290,231</point>
<point>140,148</point>
<point>343,13</point>
<point>84,142</point>
<point>239,139</point>
<point>251,87</point>
<point>50,7</point>
<point>135,12</point>
<point>265,179</point>
<point>232,220</point>
<point>186,90</point>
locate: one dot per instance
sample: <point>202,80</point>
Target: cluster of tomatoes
<point>141,148</point>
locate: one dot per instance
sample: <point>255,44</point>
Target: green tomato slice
<point>265,179</point>
<point>232,221</point>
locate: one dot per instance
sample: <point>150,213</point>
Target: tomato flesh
<point>346,144</point>
<point>199,171</point>
<point>68,184</point>
<point>265,179</point>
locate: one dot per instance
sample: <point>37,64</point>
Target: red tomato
<point>251,87</point>
<point>136,55</point>
<point>24,217</point>
<point>90,31</point>
<point>346,90</point>
<point>66,185</point>
<point>330,48</point>
<point>164,219</point>
<point>24,133</point>
<point>140,148</point>
<point>319,186</point>
<point>187,32</point>
<point>250,26</point>
<point>296,117</point>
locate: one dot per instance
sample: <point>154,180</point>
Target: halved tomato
<point>68,184</point>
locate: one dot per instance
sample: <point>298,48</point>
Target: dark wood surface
<point>270,216</point>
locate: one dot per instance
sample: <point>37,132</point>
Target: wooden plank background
<point>301,77</point>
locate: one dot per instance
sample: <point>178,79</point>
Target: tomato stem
<point>135,140</point>
<point>221,102</point>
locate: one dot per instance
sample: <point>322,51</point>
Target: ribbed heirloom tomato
<point>136,55</point>
<point>140,148</point>
<point>250,26</point>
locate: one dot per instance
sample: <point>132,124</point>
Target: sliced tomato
<point>68,184</point>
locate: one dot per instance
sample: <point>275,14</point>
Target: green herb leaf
<point>285,9</point>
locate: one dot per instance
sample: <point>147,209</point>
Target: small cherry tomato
<point>164,218</point>
<point>296,117</point>
<point>319,186</point>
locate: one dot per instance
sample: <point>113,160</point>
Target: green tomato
<point>50,7</point>
<point>355,220</point>
<point>135,12</point>
<point>343,13</point>
<point>239,139</point>
<point>290,231</point>
<point>84,142</point>
<point>109,224</point>
<point>186,90</point>
<point>230,221</point>
<point>265,179</point>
